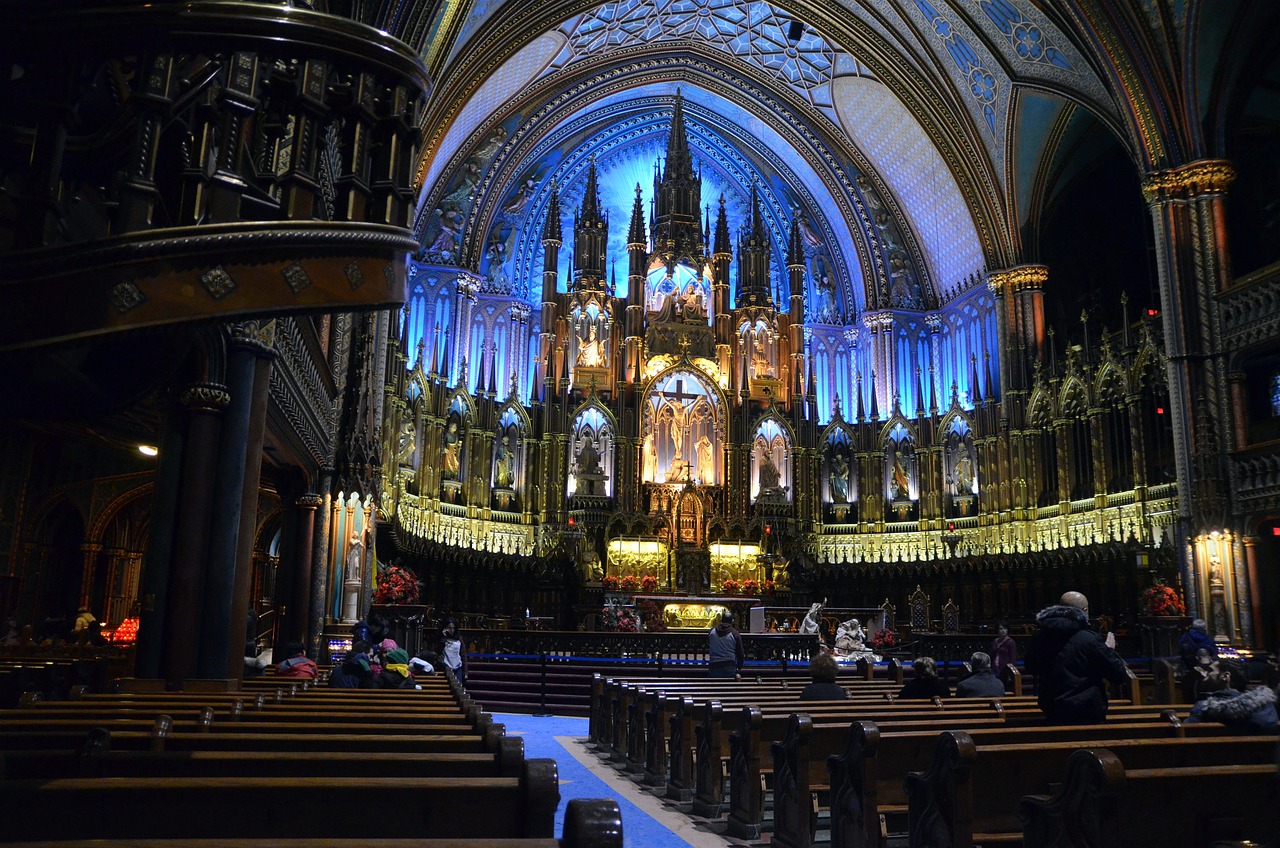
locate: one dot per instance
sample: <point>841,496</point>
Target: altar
<point>684,612</point>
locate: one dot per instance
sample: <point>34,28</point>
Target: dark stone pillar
<point>204,403</point>
<point>153,589</point>
<point>316,613</point>
<point>300,614</point>
<point>228,502</point>
<point>259,342</point>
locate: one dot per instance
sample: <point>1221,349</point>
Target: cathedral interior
<point>801,299</point>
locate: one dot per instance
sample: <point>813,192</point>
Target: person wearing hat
<point>727,653</point>
<point>395,671</point>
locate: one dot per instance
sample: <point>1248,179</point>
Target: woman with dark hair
<point>925,683</point>
<point>823,671</point>
<point>355,671</point>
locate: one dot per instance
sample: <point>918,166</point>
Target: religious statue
<point>813,619</point>
<point>851,639</point>
<point>963,475</point>
<point>899,485</point>
<point>839,478</point>
<point>769,474</point>
<point>706,460</point>
<point>504,465</point>
<point>691,306</point>
<point>588,458</point>
<point>589,351</point>
<point>355,559</point>
<point>452,449</point>
<point>649,466</point>
<point>679,427</point>
<point>523,195</point>
<point>406,442</point>
<point>445,246</point>
<point>760,364</point>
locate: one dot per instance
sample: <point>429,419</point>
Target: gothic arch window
<point>771,462</point>
<point>839,482</point>
<point>1117,441</point>
<point>900,478</point>
<point>961,465</point>
<point>589,336</point>
<point>681,431</point>
<point>509,451</point>
<point>758,343</point>
<point>591,449</point>
<point>1075,409</point>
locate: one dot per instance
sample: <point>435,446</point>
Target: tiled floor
<point>647,819</point>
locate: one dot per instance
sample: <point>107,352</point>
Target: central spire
<point>677,228</point>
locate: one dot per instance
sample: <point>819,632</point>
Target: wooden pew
<point>588,823</point>
<point>98,760</point>
<point>970,793</point>
<point>1103,804</point>
<point>866,780</point>
<point>113,808</point>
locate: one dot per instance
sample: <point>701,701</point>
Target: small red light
<point>951,525</point>
<point>1153,311</point>
<point>1159,410</point>
<point>1275,531</point>
<point>768,530</point>
<point>572,521</point>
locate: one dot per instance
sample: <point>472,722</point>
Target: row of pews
<point>278,764</point>
<point>873,770</point>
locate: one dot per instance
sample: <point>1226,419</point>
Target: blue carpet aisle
<point>646,820</point>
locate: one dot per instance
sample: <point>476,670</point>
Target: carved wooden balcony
<point>167,162</point>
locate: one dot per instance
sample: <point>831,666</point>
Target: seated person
<point>395,671</point>
<point>255,664</point>
<point>1245,710</point>
<point>925,683</point>
<point>297,665</point>
<point>823,669</point>
<point>355,671</point>
<point>1196,639</point>
<point>982,683</point>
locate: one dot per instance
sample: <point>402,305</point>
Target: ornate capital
<point>1208,176</point>
<point>309,501</point>
<point>206,397</point>
<point>1019,278</point>
<point>258,336</point>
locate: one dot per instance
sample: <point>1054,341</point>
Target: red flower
<point>396,585</point>
<point>649,583</point>
<point>629,583</point>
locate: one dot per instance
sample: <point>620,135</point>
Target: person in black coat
<point>355,671</point>
<point>982,683</point>
<point>1071,663</point>
<point>924,683</point>
<point>823,670</point>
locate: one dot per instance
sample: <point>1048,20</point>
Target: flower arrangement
<point>651,613</point>
<point>750,587</point>
<point>883,640</point>
<point>648,583</point>
<point>396,585</point>
<point>629,583</point>
<point>1162,600</point>
<point>616,618</point>
<point>768,587</point>
<point>610,584</point>
<point>731,587</point>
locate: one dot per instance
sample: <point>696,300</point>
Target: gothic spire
<point>679,162</point>
<point>722,244</point>
<point>635,234</point>
<point>591,197</point>
<point>795,247</point>
<point>551,229</point>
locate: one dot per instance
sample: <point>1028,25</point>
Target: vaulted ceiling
<point>939,133</point>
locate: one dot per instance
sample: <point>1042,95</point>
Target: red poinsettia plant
<point>629,583</point>
<point>610,584</point>
<point>649,583</point>
<point>396,585</point>
<point>731,587</point>
<point>616,618</point>
<point>651,614</point>
<point>768,587</point>
<point>1162,600</point>
<point>750,586</point>
<point>884,639</point>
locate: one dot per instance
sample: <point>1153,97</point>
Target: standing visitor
<point>1071,663</point>
<point>727,653</point>
<point>1004,651</point>
<point>452,653</point>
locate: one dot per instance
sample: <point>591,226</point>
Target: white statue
<point>811,623</point>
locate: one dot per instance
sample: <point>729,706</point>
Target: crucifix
<point>679,425</point>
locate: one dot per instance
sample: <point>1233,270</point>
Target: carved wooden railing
<point>164,162</point>
<point>666,648</point>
